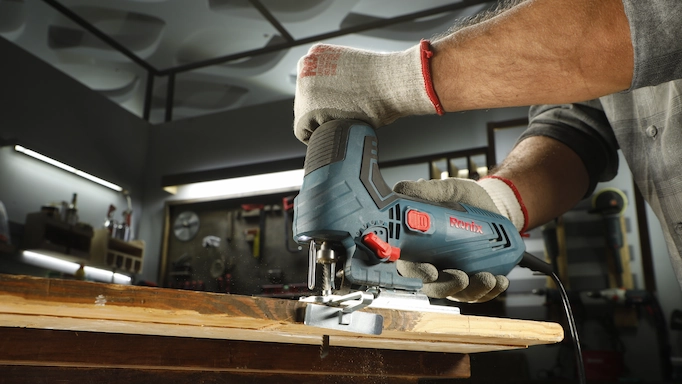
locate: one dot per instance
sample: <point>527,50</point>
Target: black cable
<point>534,264</point>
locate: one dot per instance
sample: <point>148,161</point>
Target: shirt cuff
<point>656,32</point>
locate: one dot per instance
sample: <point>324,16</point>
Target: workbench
<point>73,331</point>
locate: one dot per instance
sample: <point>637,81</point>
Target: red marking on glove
<point>426,54</point>
<point>321,60</point>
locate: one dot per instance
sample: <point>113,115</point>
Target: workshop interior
<point>149,144</point>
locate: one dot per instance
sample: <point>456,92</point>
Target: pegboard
<point>241,246</point>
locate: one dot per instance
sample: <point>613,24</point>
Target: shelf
<point>81,244</point>
<point>46,233</point>
<point>122,256</point>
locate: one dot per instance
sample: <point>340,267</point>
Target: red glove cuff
<point>518,198</point>
<point>426,53</point>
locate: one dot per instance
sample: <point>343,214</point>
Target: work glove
<point>336,82</point>
<point>493,194</point>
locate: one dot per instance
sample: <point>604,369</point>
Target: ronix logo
<point>467,226</point>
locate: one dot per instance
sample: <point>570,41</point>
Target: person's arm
<point>566,150</point>
<point>549,176</point>
<point>558,161</point>
<point>539,52</point>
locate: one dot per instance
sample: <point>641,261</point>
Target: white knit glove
<point>492,194</point>
<point>337,82</point>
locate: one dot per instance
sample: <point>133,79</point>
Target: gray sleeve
<point>584,128</point>
<point>656,30</point>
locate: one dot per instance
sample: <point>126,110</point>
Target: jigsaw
<point>349,216</point>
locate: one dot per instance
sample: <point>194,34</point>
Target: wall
<point>53,114</point>
<point>421,135</point>
<point>26,184</point>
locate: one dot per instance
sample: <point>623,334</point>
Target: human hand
<point>336,82</point>
<point>454,284</point>
<point>492,194</point>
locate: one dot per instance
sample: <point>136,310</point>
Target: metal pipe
<point>346,31</point>
<point>275,23</point>
<point>170,94</point>
<point>100,35</point>
<point>148,93</point>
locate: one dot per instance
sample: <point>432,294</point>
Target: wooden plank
<point>70,375</point>
<point>36,347</point>
<point>72,305</point>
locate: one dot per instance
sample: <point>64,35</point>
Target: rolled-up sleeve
<point>656,31</point>
<point>584,128</point>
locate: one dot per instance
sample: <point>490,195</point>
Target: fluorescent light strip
<point>59,265</point>
<point>98,180</point>
<point>44,158</point>
<point>67,168</point>
<point>243,185</point>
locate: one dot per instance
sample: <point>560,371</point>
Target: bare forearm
<point>540,52</point>
<point>549,176</point>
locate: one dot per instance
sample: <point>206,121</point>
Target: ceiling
<point>171,59</point>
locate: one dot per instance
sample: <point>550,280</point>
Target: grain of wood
<point>49,348</point>
<point>70,305</point>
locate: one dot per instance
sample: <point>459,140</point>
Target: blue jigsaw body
<point>345,202</point>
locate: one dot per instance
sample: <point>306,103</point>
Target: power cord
<point>535,264</point>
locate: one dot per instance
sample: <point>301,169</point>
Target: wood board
<point>39,303</point>
<point>120,358</point>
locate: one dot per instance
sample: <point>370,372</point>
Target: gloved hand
<point>337,82</point>
<point>492,194</point>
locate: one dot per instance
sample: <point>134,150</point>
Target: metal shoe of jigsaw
<point>347,208</point>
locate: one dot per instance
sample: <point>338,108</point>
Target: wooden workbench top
<point>65,307</point>
<point>74,305</point>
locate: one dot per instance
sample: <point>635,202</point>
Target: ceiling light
<point>67,168</point>
<point>63,266</point>
<point>238,180</point>
<point>239,186</point>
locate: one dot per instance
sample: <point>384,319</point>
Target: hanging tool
<point>611,204</point>
<point>230,232</point>
<point>288,209</point>
<point>186,226</point>
<point>217,264</point>
<point>252,236</point>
